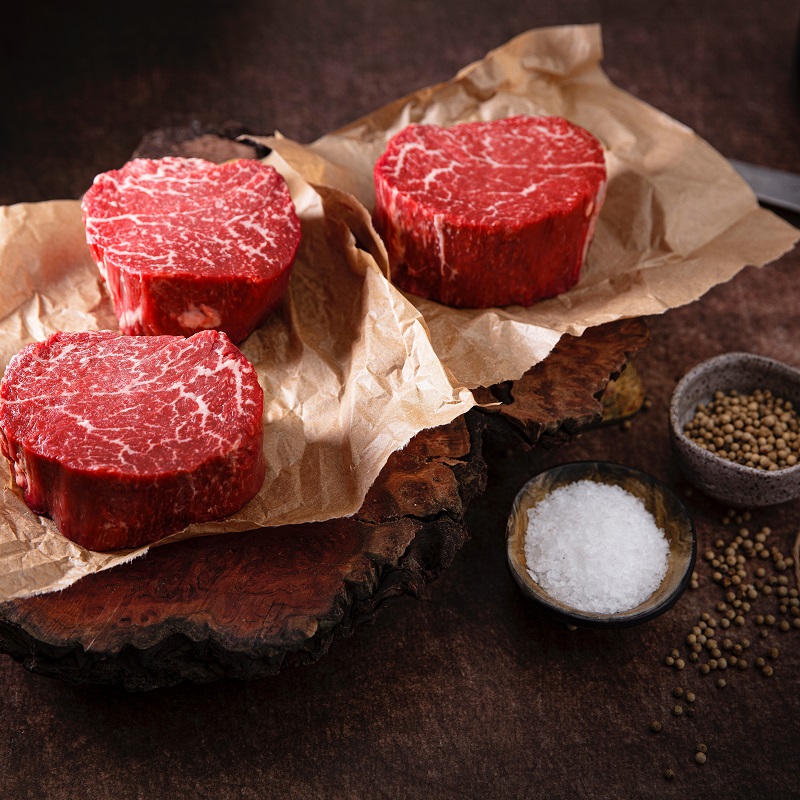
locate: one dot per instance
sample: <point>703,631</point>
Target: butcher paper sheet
<point>349,368</point>
<point>676,221</point>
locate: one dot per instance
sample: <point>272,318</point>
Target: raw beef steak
<point>125,439</point>
<point>489,213</point>
<point>186,245</point>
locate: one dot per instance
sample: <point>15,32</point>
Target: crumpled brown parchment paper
<point>677,218</point>
<point>347,368</point>
<point>347,363</point>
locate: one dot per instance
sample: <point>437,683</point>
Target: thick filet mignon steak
<point>188,245</point>
<point>125,439</point>
<point>487,214</point>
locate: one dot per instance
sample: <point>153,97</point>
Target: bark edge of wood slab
<point>245,605</point>
<point>562,395</point>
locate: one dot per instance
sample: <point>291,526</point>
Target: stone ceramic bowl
<point>670,515</point>
<point>733,484</point>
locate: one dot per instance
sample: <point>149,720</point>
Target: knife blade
<point>774,187</point>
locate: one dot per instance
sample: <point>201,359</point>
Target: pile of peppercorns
<point>757,430</point>
<point>749,571</point>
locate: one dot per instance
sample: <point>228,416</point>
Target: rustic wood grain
<point>244,605</point>
<point>562,394</point>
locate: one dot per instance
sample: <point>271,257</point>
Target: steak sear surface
<point>123,440</point>
<point>187,245</point>
<point>486,214</point>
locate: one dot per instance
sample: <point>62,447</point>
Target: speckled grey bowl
<point>733,484</point>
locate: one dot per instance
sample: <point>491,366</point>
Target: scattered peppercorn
<point>749,569</point>
<point>655,726</point>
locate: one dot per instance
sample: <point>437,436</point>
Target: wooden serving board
<point>245,605</point>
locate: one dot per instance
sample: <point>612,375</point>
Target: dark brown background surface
<point>467,692</point>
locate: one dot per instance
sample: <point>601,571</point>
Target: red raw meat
<point>187,245</point>
<point>125,439</point>
<point>488,214</point>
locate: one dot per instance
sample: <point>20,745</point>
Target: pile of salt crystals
<point>595,548</point>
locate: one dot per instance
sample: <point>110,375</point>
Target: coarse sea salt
<point>595,547</point>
